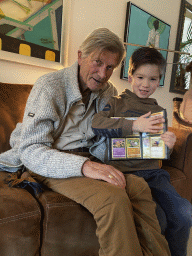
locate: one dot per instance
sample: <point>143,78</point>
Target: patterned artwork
<point>143,29</point>
<point>31,27</point>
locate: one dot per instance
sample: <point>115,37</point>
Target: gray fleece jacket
<point>32,140</point>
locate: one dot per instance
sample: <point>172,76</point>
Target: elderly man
<point>55,143</point>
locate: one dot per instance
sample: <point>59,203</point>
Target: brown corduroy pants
<point>126,221</point>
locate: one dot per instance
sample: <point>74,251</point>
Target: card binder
<point>139,145</point>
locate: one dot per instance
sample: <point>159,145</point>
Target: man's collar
<point>82,86</point>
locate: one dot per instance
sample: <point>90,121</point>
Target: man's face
<point>96,69</point>
<point>145,80</point>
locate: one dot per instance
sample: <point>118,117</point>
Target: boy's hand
<point>169,138</point>
<point>148,124</point>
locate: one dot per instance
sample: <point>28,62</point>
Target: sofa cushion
<point>20,219</point>
<point>68,228</point>
<point>179,181</point>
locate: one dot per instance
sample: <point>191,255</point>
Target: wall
<point>87,15</point>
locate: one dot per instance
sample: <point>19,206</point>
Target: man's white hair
<point>103,39</point>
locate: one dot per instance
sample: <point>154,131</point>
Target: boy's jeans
<point>173,212</point>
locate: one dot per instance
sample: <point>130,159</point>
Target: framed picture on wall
<point>31,31</point>
<point>143,29</point>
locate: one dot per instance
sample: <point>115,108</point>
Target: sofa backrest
<point>13,99</point>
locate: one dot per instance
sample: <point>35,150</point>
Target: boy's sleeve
<point>103,124</point>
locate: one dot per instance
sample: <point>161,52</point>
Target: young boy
<point>146,68</point>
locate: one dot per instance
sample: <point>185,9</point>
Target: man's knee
<point>113,198</point>
<point>136,186</point>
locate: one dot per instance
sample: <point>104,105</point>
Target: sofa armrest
<point>180,162</point>
<point>177,121</point>
<point>182,122</point>
<point>181,157</point>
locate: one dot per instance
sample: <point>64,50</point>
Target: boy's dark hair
<point>146,55</point>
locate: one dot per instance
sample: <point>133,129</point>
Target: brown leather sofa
<point>53,224</point>
<point>181,158</point>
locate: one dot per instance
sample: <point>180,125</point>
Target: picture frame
<point>143,29</point>
<point>180,79</point>
<point>35,33</point>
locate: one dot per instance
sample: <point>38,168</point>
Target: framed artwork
<point>180,79</point>
<point>31,31</point>
<point>143,29</point>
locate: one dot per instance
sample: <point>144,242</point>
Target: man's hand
<point>169,138</point>
<point>145,123</point>
<point>104,172</point>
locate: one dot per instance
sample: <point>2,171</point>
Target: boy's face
<point>145,80</point>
